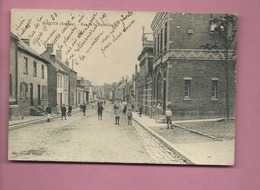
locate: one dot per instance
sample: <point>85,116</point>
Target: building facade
<point>32,78</point>
<point>58,80</point>
<point>187,77</point>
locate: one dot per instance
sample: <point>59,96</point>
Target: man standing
<point>49,110</point>
<point>168,115</point>
<point>100,110</point>
<point>69,111</point>
<point>84,109</point>
<point>63,111</point>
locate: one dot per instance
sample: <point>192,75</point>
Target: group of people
<point>127,110</point>
<point>63,110</point>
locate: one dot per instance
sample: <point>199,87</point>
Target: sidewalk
<point>214,152</point>
<point>33,120</point>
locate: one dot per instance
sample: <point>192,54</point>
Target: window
<point>187,90</point>
<point>165,36</point>
<point>59,80</point>
<point>34,69</point>
<point>44,92</point>
<point>66,81</point>
<point>10,85</point>
<point>214,88</point>
<point>155,45</point>
<point>43,72</point>
<point>23,90</point>
<point>25,68</point>
<point>161,40</point>
<point>158,42</point>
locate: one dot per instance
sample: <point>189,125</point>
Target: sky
<point>103,45</point>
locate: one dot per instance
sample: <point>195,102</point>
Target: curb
<point>197,132</point>
<point>169,145</point>
<point>26,123</point>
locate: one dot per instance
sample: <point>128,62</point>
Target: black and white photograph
<point>122,87</point>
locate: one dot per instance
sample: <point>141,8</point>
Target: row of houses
<point>175,71</point>
<point>37,80</point>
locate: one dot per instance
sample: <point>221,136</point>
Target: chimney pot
<point>26,41</point>
<point>52,57</point>
<point>59,54</point>
<point>67,62</point>
<point>50,48</point>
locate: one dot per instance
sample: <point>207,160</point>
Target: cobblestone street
<point>87,139</point>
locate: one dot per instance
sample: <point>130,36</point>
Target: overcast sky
<point>103,45</point>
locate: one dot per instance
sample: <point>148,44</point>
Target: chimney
<point>123,78</point>
<point>50,48</point>
<point>59,54</point>
<point>26,41</point>
<point>52,57</point>
<point>136,68</point>
<point>127,78</point>
<point>67,62</point>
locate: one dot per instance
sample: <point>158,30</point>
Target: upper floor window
<point>165,36</point>
<point>34,69</point>
<point>25,67</point>
<point>66,81</point>
<point>43,72</point>
<point>59,80</point>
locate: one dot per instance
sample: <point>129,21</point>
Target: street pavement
<point>87,139</point>
<point>197,147</point>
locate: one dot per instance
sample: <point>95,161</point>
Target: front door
<point>39,94</point>
<point>31,94</point>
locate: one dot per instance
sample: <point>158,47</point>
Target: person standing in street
<point>168,115</point>
<point>63,112</point>
<point>84,107</point>
<point>129,115</point>
<point>49,111</point>
<point>117,115</point>
<point>140,111</point>
<point>69,111</point>
<point>100,111</point>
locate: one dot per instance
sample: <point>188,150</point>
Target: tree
<point>225,28</point>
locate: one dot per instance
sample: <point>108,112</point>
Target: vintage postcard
<point>122,87</point>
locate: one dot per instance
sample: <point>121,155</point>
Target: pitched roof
<point>56,65</point>
<point>23,46</point>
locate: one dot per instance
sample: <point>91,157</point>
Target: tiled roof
<point>28,49</point>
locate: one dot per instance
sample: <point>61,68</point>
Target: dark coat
<point>63,110</point>
<point>49,109</point>
<point>100,109</point>
<point>84,108</point>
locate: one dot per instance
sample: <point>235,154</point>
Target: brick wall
<point>201,73</point>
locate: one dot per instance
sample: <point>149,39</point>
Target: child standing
<point>117,115</point>
<point>129,115</point>
<point>168,115</point>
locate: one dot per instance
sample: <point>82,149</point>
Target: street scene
<point>122,87</point>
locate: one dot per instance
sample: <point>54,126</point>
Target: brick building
<point>187,77</point>
<point>145,75</point>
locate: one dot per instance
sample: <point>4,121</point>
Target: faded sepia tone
<point>122,87</point>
